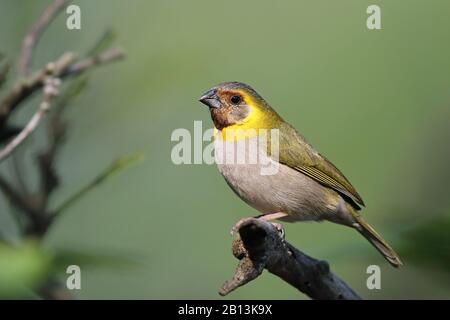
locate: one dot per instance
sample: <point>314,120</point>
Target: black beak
<point>210,99</point>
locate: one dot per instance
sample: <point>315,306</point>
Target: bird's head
<point>236,105</point>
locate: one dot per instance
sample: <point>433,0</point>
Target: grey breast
<point>282,190</point>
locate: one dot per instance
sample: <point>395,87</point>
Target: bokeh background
<point>377,103</point>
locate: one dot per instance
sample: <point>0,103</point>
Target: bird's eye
<point>235,99</point>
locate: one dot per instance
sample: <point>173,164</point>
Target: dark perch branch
<point>260,246</point>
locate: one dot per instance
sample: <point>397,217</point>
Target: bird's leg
<point>272,216</point>
<point>267,217</point>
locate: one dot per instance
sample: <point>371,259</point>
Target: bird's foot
<point>279,228</point>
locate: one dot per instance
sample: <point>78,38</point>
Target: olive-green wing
<point>298,154</point>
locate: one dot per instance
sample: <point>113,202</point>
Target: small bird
<point>305,187</point>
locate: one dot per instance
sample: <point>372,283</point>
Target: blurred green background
<point>376,103</point>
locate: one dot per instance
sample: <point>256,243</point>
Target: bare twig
<point>107,56</point>
<point>51,84</point>
<point>34,216</point>
<point>34,34</point>
<point>29,42</point>
<point>13,196</point>
<point>38,222</point>
<point>260,247</point>
<point>31,125</point>
<point>57,126</point>
<point>25,88</point>
<point>117,165</point>
<point>104,42</point>
<point>56,134</point>
<point>4,73</point>
<point>18,170</point>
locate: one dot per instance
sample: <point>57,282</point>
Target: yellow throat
<point>258,118</point>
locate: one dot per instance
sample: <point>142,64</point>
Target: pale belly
<point>284,190</point>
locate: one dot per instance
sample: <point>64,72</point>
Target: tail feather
<point>377,241</point>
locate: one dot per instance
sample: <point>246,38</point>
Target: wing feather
<point>298,154</point>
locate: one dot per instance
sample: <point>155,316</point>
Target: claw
<point>279,228</point>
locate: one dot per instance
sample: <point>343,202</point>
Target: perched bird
<point>306,186</point>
